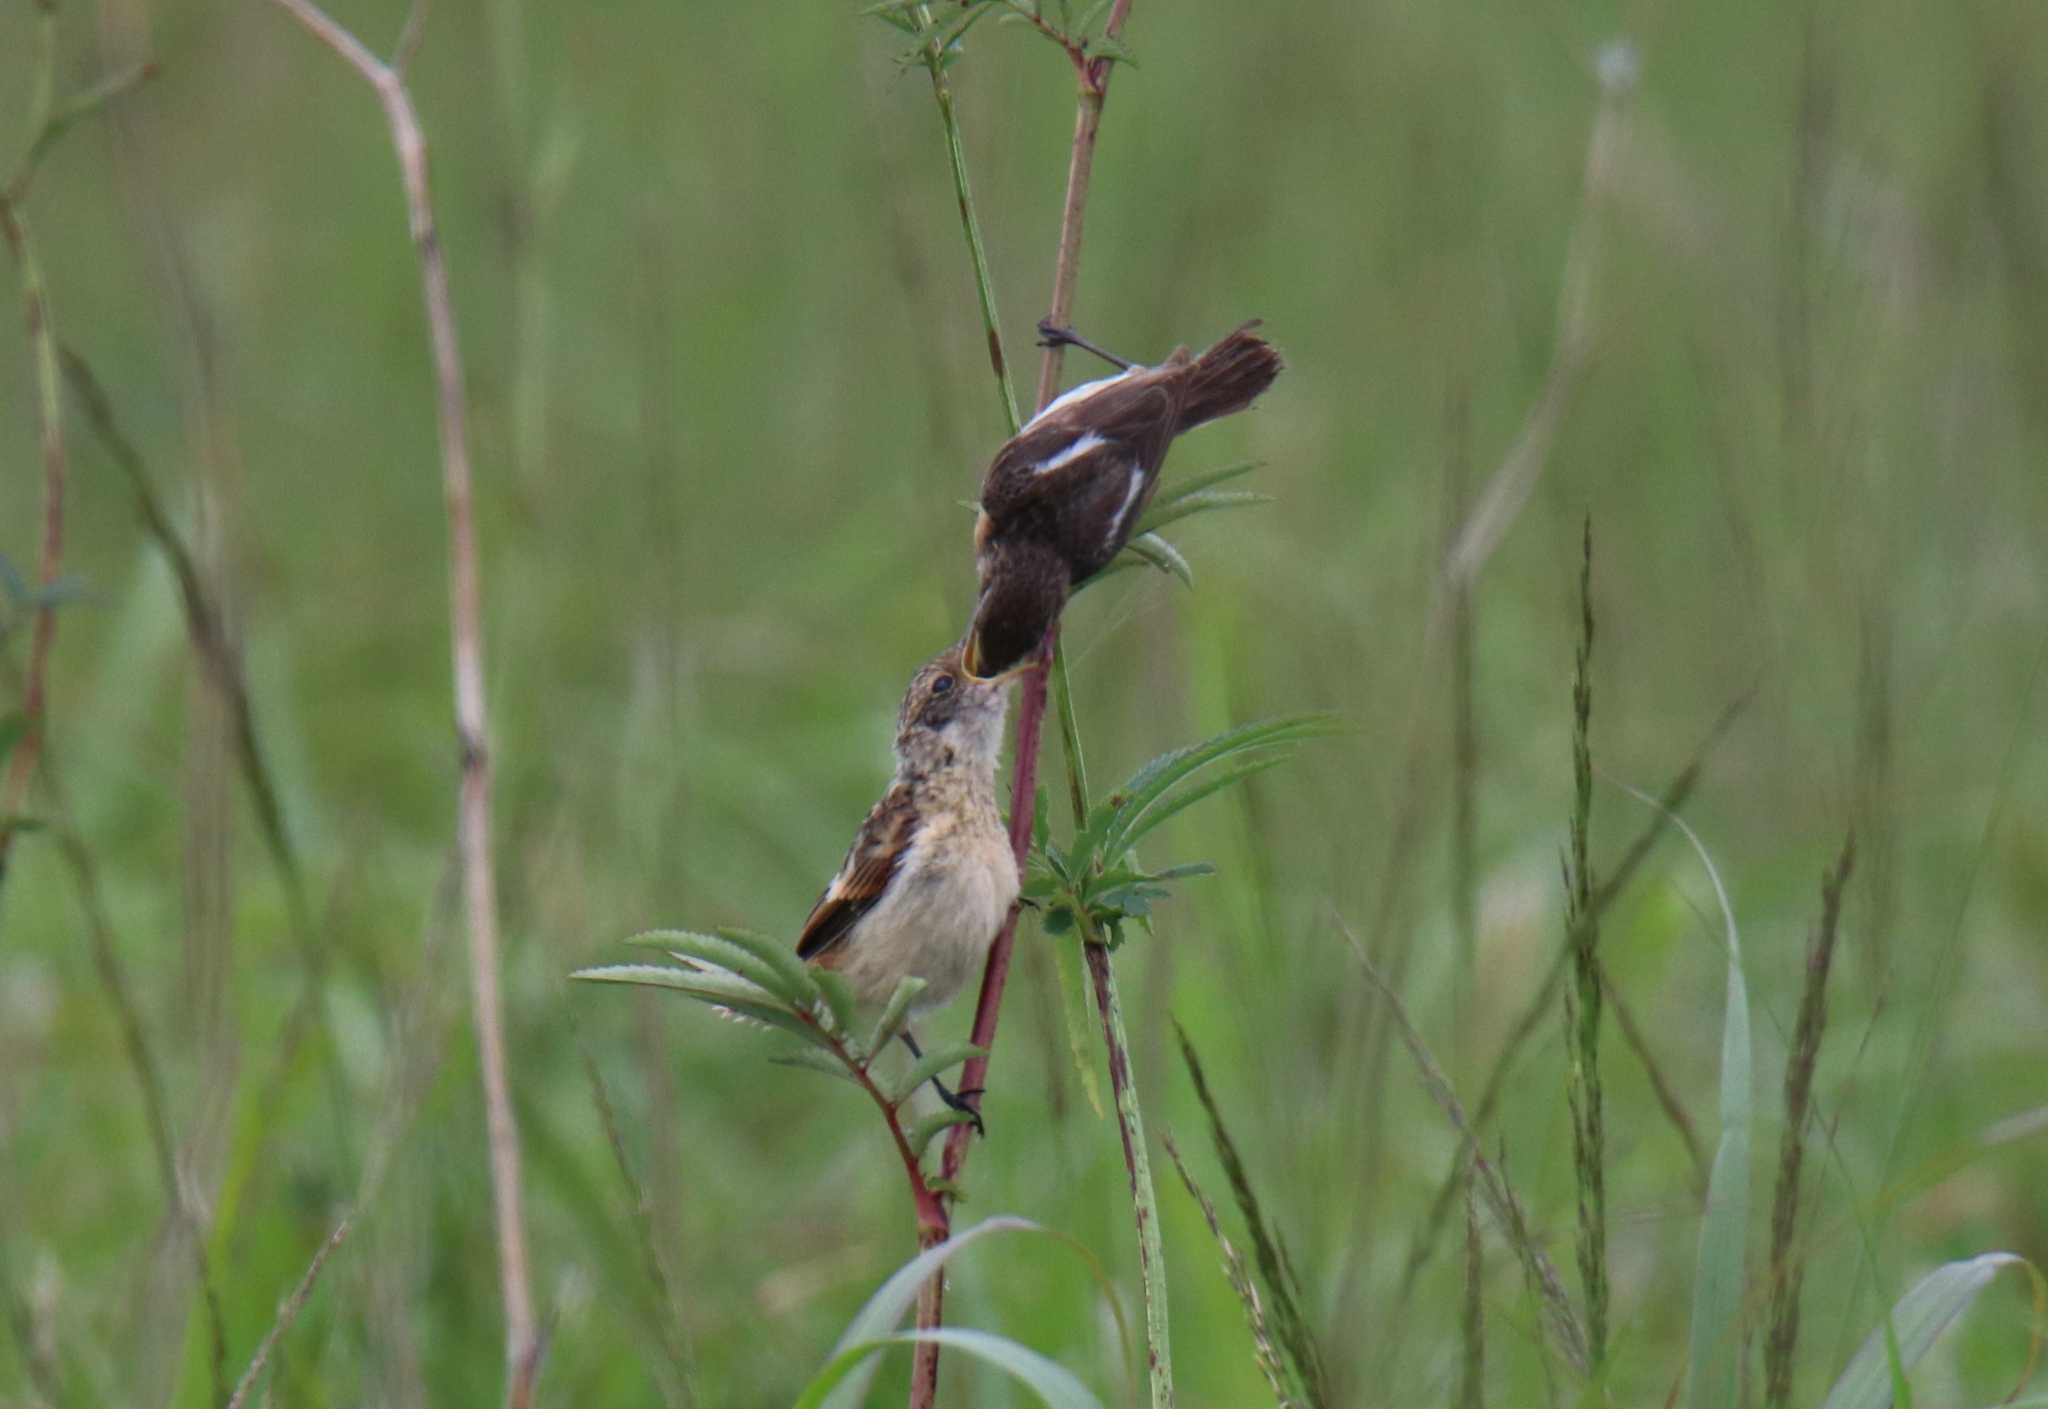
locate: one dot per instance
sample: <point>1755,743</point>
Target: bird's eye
<point>942,685</point>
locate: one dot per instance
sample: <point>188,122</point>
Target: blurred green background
<point>730,398</point>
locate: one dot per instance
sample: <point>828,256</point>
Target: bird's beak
<point>970,657</point>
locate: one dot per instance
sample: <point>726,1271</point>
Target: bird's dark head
<point>949,716</point>
<point>1023,588</point>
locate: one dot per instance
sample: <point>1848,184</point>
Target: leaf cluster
<point>938,26</point>
<point>757,980</point>
<point>1095,881</point>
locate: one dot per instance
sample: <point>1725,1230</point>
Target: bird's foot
<point>958,1101</point>
<point>1051,334</point>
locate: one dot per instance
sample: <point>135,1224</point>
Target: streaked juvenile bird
<point>1062,497</point>
<point>930,876</point>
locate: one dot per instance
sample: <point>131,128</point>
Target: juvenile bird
<point>1062,497</point>
<point>930,876</point>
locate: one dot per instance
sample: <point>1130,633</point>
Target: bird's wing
<point>1082,451</point>
<point>870,863</point>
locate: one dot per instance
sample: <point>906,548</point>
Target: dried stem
<point>1787,1271</point>
<point>286,1315</point>
<point>522,1345</point>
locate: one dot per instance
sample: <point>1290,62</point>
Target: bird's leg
<point>1051,334</point>
<point>954,1101</point>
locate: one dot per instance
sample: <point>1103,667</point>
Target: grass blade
<point>1713,1373</point>
<point>1917,1321</point>
<point>1055,1386</point>
<point>896,1012</point>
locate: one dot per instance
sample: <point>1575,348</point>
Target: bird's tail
<point>1229,376</point>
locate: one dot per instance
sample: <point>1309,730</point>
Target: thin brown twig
<point>286,1315</point>
<point>473,829</point>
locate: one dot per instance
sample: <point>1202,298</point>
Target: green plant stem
<point>1144,1201</point>
<point>42,350</point>
<point>984,287</point>
<point>1582,998</point>
<point>1070,735</point>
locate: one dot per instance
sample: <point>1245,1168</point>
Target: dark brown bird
<point>1061,498</point>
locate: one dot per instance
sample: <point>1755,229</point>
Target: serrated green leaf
<point>1128,901</point>
<point>1162,555</point>
<point>1038,885</point>
<point>1201,502</point>
<point>841,1007</point>
<point>1915,1322</point>
<point>816,1059</point>
<point>1103,46</point>
<point>723,990</point>
<point>896,1012</point>
<point>799,976</point>
<point>1187,870</point>
<point>1056,859</point>
<point>1056,920</point>
<point>920,1135</point>
<point>1179,489</point>
<point>727,954</point>
<point>1180,800</point>
<point>933,1063</point>
<point>1167,770</point>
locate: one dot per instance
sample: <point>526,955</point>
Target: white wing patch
<point>1081,393</point>
<point>1116,525</point>
<point>1080,446</point>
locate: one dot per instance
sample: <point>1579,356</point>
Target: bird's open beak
<point>970,657</point>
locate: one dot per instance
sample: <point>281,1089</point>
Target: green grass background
<point>729,399</point>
